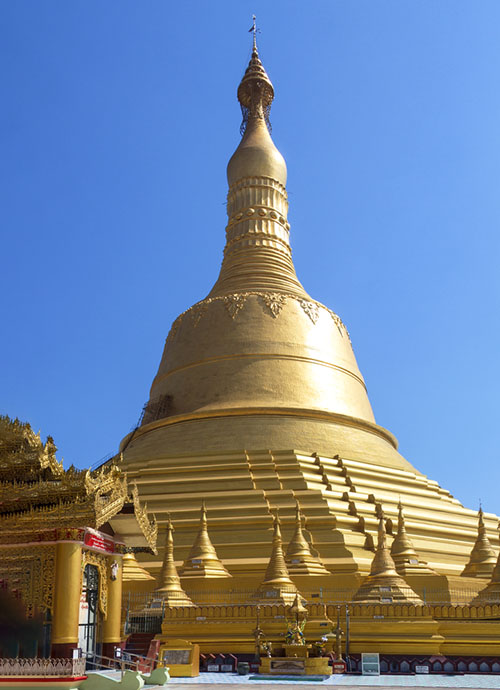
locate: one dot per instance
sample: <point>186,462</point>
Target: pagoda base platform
<point>386,629</point>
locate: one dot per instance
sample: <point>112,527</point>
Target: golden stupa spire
<point>299,559</point>
<point>491,593</point>
<point>257,255</point>
<point>383,584</point>
<point>482,557</point>
<point>277,587</point>
<point>203,560</point>
<point>403,552</point>
<point>132,570</point>
<point>169,582</point>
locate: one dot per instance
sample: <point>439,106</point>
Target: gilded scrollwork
<point>310,308</point>
<point>272,304</point>
<point>31,573</point>
<point>198,311</point>
<point>101,563</point>
<point>149,526</point>
<point>109,488</point>
<point>273,301</point>
<point>234,303</point>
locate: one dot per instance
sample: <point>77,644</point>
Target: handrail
<point>121,662</point>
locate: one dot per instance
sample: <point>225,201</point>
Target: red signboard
<point>97,540</point>
<point>338,667</point>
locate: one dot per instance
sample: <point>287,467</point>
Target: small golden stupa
<point>491,593</point>
<point>384,584</point>
<point>298,557</point>
<point>482,557</point>
<point>277,587</point>
<point>169,582</point>
<point>202,560</point>
<point>405,557</point>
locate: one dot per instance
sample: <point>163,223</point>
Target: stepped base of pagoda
<point>341,500</point>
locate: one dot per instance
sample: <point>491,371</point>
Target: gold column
<point>66,598</point>
<point>112,632</point>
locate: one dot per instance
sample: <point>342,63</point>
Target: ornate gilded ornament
<point>234,303</point>
<point>149,527</point>
<point>274,301</point>
<point>101,563</point>
<point>30,572</point>
<point>198,312</point>
<point>272,304</point>
<point>310,308</point>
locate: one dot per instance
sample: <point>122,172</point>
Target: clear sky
<point>117,122</point>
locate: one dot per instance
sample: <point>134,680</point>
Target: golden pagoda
<point>405,557</point>
<point>491,593</point>
<point>277,587</point>
<point>384,584</point>
<point>169,582</point>
<point>258,405</point>
<point>202,560</point>
<point>482,557</point>
<point>299,559</point>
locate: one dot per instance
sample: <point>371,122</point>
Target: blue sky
<point>117,123</point>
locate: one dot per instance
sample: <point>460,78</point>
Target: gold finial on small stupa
<point>299,559</point>
<point>169,582</point>
<point>405,557</point>
<point>203,560</point>
<point>277,587</point>
<point>482,557</point>
<point>383,585</point>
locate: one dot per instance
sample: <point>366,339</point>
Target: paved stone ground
<point>230,680</point>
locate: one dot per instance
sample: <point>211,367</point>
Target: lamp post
<point>347,639</point>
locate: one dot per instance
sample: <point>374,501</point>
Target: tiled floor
<point>420,681</point>
<point>210,681</point>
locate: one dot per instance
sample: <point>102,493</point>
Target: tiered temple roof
<point>38,496</point>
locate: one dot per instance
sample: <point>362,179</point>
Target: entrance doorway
<point>90,617</point>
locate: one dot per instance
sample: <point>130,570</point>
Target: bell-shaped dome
<point>259,349</point>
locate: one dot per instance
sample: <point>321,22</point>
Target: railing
<point>42,667</point>
<point>126,662</point>
<point>147,604</point>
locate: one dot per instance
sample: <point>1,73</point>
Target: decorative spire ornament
<point>491,593</point>
<point>405,557</point>
<point>277,587</point>
<point>482,557</point>
<point>203,560</point>
<point>169,582</point>
<point>383,585</point>
<point>257,255</point>
<point>299,559</point>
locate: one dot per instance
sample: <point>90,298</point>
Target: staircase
<point>138,643</point>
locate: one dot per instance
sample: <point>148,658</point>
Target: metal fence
<point>144,612</point>
<point>226,597</point>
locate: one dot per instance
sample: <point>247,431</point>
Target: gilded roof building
<point>56,522</point>
<point>258,404</point>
